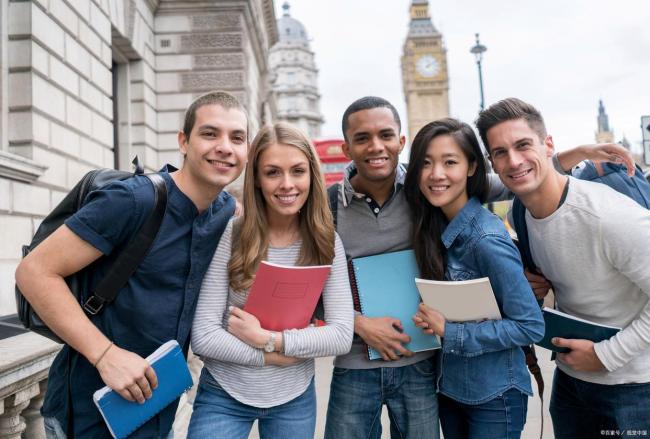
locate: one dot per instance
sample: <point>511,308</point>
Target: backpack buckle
<point>93,305</point>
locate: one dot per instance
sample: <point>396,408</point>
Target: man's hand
<point>582,357</point>
<point>430,320</point>
<point>128,374</point>
<point>384,335</point>
<point>539,284</point>
<point>246,327</point>
<point>277,359</point>
<point>600,152</point>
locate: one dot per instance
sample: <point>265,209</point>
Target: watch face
<point>427,66</point>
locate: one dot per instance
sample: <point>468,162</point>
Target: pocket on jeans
<point>340,371</point>
<point>425,367</point>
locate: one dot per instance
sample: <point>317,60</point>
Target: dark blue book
<point>559,324</point>
<point>123,417</point>
<point>386,287</point>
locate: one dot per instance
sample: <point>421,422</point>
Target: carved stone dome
<point>290,29</point>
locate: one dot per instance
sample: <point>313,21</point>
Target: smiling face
<point>374,144</point>
<point>519,156</point>
<point>283,178</point>
<point>443,178</point>
<point>215,151</point>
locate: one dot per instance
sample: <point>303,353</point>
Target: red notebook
<point>285,297</point>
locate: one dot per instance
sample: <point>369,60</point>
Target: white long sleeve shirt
<point>595,249</point>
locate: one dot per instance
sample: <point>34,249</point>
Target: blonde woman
<point>286,221</point>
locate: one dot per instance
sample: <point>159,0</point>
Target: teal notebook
<point>123,417</point>
<point>386,288</point>
<point>559,324</point>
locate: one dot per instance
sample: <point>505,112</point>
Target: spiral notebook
<point>123,417</point>
<point>385,285</point>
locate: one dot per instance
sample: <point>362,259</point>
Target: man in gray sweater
<point>593,245</point>
<point>373,218</point>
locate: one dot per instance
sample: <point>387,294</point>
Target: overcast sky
<point>560,55</point>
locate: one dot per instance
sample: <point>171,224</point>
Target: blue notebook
<point>123,417</point>
<point>386,287</point>
<point>559,324</point>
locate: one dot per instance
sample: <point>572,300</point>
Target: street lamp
<point>478,49</point>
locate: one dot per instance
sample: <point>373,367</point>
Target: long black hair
<point>429,221</point>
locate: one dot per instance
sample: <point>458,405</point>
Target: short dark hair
<point>222,98</point>
<point>368,103</point>
<point>509,109</point>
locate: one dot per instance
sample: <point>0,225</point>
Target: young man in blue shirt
<point>157,303</point>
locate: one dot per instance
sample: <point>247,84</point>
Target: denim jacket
<point>481,360</point>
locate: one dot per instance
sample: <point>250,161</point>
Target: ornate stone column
<point>24,363</point>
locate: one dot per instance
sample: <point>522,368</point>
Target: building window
<point>121,111</point>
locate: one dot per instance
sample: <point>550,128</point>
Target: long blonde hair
<point>250,236</point>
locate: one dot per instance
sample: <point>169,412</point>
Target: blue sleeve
<point>108,216</point>
<point>522,324</point>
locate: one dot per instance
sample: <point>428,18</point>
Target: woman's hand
<point>246,327</point>
<point>430,320</point>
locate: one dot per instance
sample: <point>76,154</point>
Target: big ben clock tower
<point>424,70</point>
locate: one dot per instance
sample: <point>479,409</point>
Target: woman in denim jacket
<point>484,384</point>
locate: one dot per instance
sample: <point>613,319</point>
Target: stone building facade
<point>294,77</point>
<point>91,83</point>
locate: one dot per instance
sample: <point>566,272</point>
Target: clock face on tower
<point>427,66</point>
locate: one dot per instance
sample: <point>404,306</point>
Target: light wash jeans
<point>217,414</point>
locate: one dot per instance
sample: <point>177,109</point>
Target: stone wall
<point>65,65</point>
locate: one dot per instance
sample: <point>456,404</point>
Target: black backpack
<point>123,266</point>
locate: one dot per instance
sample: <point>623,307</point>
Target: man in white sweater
<point>593,245</point>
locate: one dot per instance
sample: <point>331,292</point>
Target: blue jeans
<point>53,429</point>
<point>357,396</point>
<point>502,417</point>
<point>580,409</point>
<point>217,414</point>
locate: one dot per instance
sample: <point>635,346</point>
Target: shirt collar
<point>347,191</point>
<point>466,214</point>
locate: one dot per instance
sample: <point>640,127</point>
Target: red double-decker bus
<point>332,159</point>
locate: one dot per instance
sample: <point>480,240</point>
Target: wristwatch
<point>270,344</point>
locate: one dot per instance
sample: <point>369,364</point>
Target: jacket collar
<point>460,221</point>
<point>347,191</point>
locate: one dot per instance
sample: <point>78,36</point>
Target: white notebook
<point>460,301</point>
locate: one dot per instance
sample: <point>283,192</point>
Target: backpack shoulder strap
<point>519,220</point>
<point>129,259</point>
<point>523,244</point>
<point>333,199</point>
